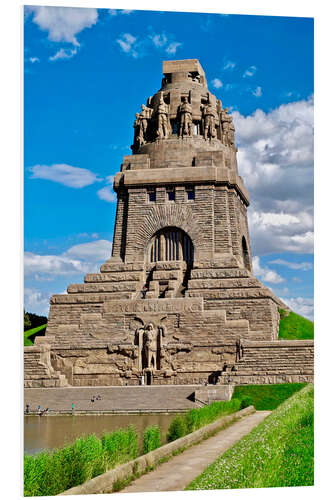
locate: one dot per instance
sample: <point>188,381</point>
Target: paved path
<point>178,472</point>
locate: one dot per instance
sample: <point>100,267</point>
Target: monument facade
<point>177,302</point>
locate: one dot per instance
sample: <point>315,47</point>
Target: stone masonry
<point>177,302</point>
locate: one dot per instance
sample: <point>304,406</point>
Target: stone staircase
<point>166,280</point>
<point>273,362</point>
<point>38,371</point>
<point>131,398</point>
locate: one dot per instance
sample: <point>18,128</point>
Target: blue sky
<point>87,71</point>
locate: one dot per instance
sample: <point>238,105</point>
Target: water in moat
<point>48,432</point>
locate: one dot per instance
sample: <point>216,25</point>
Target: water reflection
<point>49,432</point>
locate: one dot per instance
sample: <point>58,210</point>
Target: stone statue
<point>185,118</point>
<point>163,125</point>
<point>138,132</point>
<point>209,115</point>
<point>150,346</point>
<point>228,129</point>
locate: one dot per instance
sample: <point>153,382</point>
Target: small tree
<point>27,321</point>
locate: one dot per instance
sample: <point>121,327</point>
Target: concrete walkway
<point>179,471</point>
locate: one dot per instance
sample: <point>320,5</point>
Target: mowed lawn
<point>266,397</point>
<point>278,452</point>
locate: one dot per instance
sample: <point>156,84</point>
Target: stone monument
<point>177,302</point>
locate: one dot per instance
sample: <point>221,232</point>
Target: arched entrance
<point>171,243</point>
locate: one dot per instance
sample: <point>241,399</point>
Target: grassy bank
<point>266,397</point>
<point>50,473</point>
<point>196,418</point>
<point>295,327</point>
<point>279,452</point>
<point>30,334</point>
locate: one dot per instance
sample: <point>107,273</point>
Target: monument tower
<point>177,302</point>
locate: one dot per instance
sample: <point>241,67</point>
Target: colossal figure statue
<point>228,128</point>
<point>163,125</point>
<point>209,115</point>
<point>150,346</point>
<point>185,118</point>
<point>138,132</point>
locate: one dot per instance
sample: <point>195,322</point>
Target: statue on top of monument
<point>228,128</point>
<point>163,125</point>
<point>209,116</point>
<point>138,133</point>
<point>185,110</point>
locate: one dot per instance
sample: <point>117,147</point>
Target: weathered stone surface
<point>177,303</point>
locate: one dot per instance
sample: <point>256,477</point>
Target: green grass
<point>52,472</point>
<point>277,453</point>
<point>196,418</point>
<point>295,327</point>
<point>266,397</point>
<point>28,333</point>
<point>151,438</point>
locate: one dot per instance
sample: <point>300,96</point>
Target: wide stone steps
<point>113,398</point>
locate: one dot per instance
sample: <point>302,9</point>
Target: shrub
<point>246,401</point>
<point>151,438</point>
<point>177,429</point>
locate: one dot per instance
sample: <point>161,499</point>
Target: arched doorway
<point>171,243</point>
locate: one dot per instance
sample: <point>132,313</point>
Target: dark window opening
<point>174,126</point>
<point>190,194</point>
<point>171,195</point>
<point>246,256</point>
<point>151,195</point>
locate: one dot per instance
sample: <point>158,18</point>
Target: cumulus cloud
<point>302,306</point>
<point>36,301</point>
<point>79,259</point>
<point>300,266</point>
<point>266,274</point>
<point>63,24</point>
<point>173,47</point>
<point>217,84</point>
<point>249,72</point>
<point>64,174</point>
<point>34,59</point>
<point>116,12</point>
<point>275,159</point>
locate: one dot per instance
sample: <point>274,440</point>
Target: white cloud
<point>126,43</point>
<point>107,194</point>
<point>63,23</point>
<point>114,12</point>
<point>257,92</point>
<point>217,84</point>
<point>64,174</point>
<point>34,60</point>
<point>229,65</point>
<point>36,301</point>
<point>94,251</point>
<point>275,159</point>
<point>159,40</point>
<point>301,266</point>
<point>173,47</point>
<point>250,72</point>
<point>265,273</point>
<point>79,259</point>
<point>63,54</point>
<point>302,306</point>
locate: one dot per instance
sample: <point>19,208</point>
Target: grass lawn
<point>266,397</point>
<point>29,333</point>
<point>277,453</point>
<point>295,327</point>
